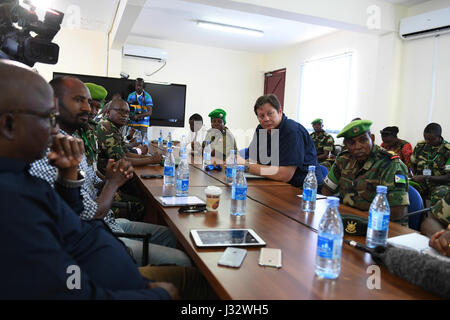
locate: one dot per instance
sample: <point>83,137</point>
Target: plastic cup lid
<point>214,191</point>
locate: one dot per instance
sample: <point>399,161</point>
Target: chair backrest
<point>324,170</point>
<point>415,204</point>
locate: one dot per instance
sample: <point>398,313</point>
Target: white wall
<point>81,52</point>
<point>416,95</point>
<point>392,78</point>
<point>215,78</point>
<point>364,67</point>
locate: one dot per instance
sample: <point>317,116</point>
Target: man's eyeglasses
<point>52,116</point>
<point>121,111</point>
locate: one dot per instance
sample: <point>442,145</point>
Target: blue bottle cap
<point>169,150</point>
<point>311,168</point>
<point>381,189</point>
<point>333,201</point>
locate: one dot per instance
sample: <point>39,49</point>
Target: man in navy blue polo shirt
<point>281,148</point>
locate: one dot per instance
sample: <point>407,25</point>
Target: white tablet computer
<point>226,237</point>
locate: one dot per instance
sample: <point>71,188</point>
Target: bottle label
<point>207,156</point>
<point>183,185</point>
<point>231,172</point>
<point>378,221</point>
<point>169,171</point>
<point>309,195</point>
<point>239,193</point>
<point>328,247</point>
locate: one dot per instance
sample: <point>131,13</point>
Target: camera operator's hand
<point>66,154</point>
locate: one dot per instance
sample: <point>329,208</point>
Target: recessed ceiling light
<point>229,28</point>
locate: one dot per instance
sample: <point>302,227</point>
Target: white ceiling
<point>176,20</point>
<point>94,14</point>
<point>406,3</point>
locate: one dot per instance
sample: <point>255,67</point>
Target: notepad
<point>416,242</point>
<point>180,201</point>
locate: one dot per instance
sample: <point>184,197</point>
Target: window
<point>324,91</point>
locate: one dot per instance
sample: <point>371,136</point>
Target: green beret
<point>218,114</point>
<point>354,225</point>
<point>355,128</point>
<point>318,120</point>
<point>97,92</point>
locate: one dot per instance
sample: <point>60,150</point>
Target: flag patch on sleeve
<point>400,179</point>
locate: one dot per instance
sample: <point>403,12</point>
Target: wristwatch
<point>71,183</point>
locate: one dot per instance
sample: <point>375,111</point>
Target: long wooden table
<point>284,227</point>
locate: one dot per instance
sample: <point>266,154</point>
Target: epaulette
<point>390,154</point>
<point>447,146</point>
<point>421,142</point>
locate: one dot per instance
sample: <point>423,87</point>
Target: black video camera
<point>18,44</point>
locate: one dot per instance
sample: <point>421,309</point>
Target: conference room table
<point>274,213</point>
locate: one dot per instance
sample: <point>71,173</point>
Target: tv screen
<point>169,101</point>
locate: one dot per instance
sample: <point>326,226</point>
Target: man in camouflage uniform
<point>356,172</point>
<point>431,164</point>
<point>437,225</point>
<point>87,133</point>
<point>134,207</point>
<point>110,140</point>
<point>219,136</point>
<point>324,143</point>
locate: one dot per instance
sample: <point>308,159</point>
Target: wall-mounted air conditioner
<point>134,51</point>
<point>425,25</point>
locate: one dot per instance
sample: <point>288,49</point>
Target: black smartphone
<point>151,176</point>
<point>192,209</point>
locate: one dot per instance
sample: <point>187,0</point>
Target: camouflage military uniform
<point>224,144</point>
<point>110,143</point>
<point>437,159</point>
<point>90,143</point>
<point>357,187</point>
<point>323,142</point>
<point>441,210</point>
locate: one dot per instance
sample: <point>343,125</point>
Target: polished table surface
<point>280,227</point>
<point>285,200</point>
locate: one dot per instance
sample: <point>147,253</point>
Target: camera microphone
<point>423,270</point>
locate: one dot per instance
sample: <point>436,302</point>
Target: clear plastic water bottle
<point>207,155</point>
<point>183,145</point>
<point>378,226</point>
<point>231,166</point>
<point>169,139</point>
<point>145,140</point>
<point>238,193</point>
<point>169,169</point>
<point>138,136</point>
<point>329,242</point>
<point>183,176</point>
<point>309,190</point>
<point>160,139</point>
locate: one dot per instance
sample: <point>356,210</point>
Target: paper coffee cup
<point>212,198</point>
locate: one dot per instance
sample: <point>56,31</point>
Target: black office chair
<point>145,242</point>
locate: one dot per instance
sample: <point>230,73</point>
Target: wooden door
<point>274,82</point>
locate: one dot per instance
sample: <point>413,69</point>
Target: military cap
<point>318,120</point>
<point>355,128</point>
<point>218,114</point>
<point>97,92</point>
<point>354,225</point>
